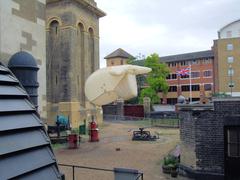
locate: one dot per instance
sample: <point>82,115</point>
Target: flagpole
<point>190,78</point>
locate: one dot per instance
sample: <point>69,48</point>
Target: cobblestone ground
<point>143,156</point>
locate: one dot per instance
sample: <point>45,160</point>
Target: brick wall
<point>202,134</point>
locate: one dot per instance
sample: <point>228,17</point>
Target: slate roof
<point>188,56</point>
<point>181,57</point>
<point>119,53</point>
<point>25,151</point>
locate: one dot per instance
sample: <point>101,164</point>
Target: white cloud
<point>164,27</point>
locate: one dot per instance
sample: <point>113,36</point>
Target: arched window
<point>52,61</point>
<point>54,27</point>
<point>80,29</point>
<point>81,55</point>
<point>91,48</point>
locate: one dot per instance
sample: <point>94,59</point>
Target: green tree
<point>156,79</point>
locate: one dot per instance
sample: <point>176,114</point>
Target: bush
<point>170,164</point>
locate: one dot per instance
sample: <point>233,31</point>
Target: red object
<point>183,72</point>
<point>134,110</point>
<point>72,141</point>
<point>93,132</point>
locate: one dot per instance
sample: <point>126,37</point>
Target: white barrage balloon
<point>108,84</point>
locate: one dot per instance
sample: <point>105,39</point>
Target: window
<point>229,47</point>
<point>171,100</point>
<point>230,59</point>
<point>207,73</point>
<point>231,84</point>
<point>174,76</point>
<point>195,74</point>
<point>54,27</point>
<point>185,63</point>
<point>121,62</point>
<point>185,76</point>
<point>185,88</point>
<point>207,87</point>
<point>195,88</point>
<point>207,61</point>
<point>229,34</point>
<point>195,62</point>
<point>172,89</point>
<point>230,72</point>
<point>172,64</point>
<point>171,76</point>
<point>233,139</point>
<point>195,99</point>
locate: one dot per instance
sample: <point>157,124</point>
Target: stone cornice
<point>86,3</point>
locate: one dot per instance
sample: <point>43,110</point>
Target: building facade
<point>201,64</point>
<point>227,59</point>
<point>72,55</point>
<point>22,28</point>
<point>118,57</point>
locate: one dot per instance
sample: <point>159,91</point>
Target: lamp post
<point>230,75</point>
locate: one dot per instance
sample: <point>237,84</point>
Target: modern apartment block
<point>227,59</point>
<point>201,64</point>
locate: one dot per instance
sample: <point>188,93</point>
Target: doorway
<point>232,152</point>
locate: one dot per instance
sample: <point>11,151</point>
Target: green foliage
<point>156,79</point>
<point>170,160</point>
<point>131,60</point>
<point>151,93</point>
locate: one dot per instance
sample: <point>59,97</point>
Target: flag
<point>183,72</point>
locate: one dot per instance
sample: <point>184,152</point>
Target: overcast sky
<point>165,27</point>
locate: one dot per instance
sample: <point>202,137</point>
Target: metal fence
<point>171,121</point>
<point>137,175</point>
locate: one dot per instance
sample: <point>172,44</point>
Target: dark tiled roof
<point>188,56</point>
<point>119,53</point>
<point>181,57</point>
<point>25,149</point>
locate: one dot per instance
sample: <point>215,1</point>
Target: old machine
<point>142,135</point>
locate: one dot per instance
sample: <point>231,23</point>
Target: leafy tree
<point>156,79</point>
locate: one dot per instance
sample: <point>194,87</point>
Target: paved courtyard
<point>144,156</point>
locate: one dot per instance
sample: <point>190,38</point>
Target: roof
<point>228,25</point>
<point>25,148</point>
<point>89,4</point>
<point>188,56</point>
<point>119,53</point>
<point>22,59</point>
<point>181,57</point>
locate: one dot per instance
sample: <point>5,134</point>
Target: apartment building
<point>194,87</point>
<point>227,59</point>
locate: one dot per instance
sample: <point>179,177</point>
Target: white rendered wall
<point>11,38</point>
<point>232,29</point>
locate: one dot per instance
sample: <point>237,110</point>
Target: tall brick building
<point>201,76</point>
<point>227,59</point>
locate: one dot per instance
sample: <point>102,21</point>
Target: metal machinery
<point>24,67</point>
<point>54,132</point>
<point>142,135</point>
<point>93,131</point>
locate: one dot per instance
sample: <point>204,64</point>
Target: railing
<point>138,174</point>
<point>162,121</point>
